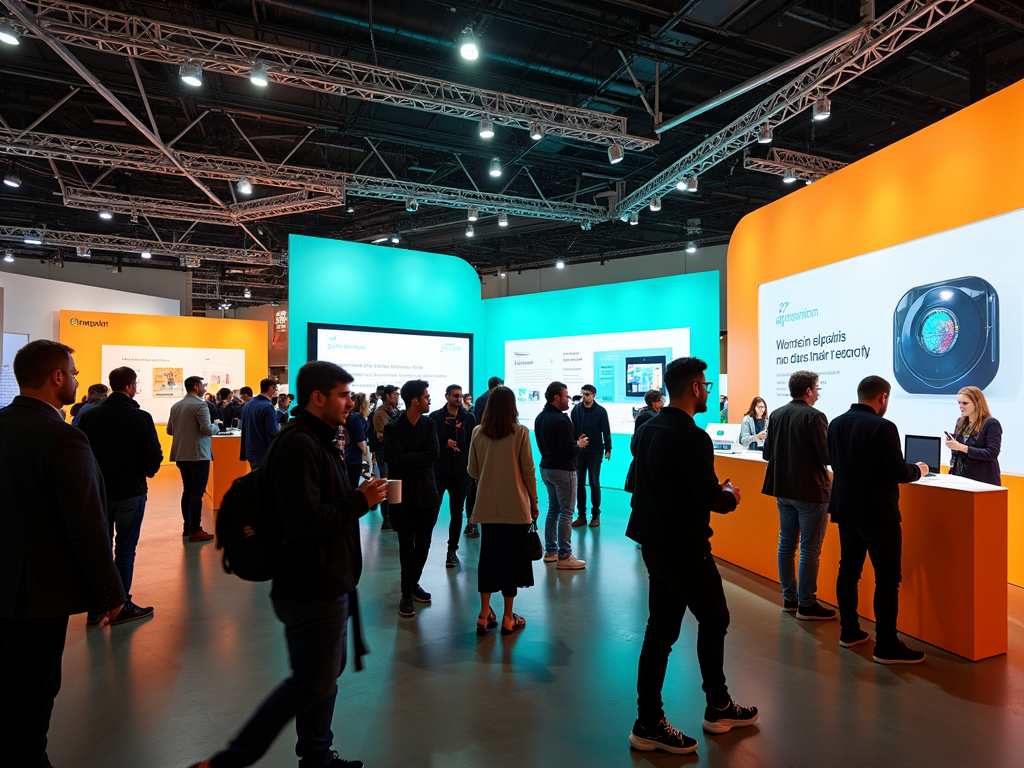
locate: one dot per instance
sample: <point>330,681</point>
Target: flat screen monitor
<point>644,374</point>
<point>927,450</point>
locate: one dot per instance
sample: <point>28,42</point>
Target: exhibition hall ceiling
<point>369,126</point>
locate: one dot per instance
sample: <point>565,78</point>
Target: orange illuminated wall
<point>964,169</point>
<point>159,331</point>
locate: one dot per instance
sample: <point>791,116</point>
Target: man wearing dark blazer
<point>867,468</point>
<point>55,552</point>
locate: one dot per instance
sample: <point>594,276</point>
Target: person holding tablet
<point>976,439</point>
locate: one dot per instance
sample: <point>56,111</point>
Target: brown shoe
<point>579,521</point>
<point>200,535</point>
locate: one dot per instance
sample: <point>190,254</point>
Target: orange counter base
<point>953,594</point>
<point>227,467</point>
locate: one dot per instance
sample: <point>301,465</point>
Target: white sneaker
<point>571,563</point>
<point>550,557</point>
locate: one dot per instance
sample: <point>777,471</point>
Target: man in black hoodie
<point>454,430</point>
<point>126,446</point>
<point>314,588</point>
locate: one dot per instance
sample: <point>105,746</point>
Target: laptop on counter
<point>923,448</point>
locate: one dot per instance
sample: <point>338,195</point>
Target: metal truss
<point>889,34</point>
<point>189,254</point>
<point>235,215</point>
<point>806,167</point>
<point>152,40</point>
<point>129,157</point>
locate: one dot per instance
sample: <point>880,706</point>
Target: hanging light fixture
<point>9,257</point>
<point>106,215</point>
<point>467,45</point>
<point>259,74</point>
<point>502,219</point>
<point>146,255</point>
<point>495,170</point>
<point>486,128</point>
<point>191,74</point>
<point>501,273</point>
<point>821,109</point>
<point>244,186</point>
<point>586,226</point>
<point>765,135</point>
<point>789,176</point>
<point>470,231</point>
<point>615,154</point>
<point>689,184</point>
<point>33,241</point>
<point>12,180</point>
<point>655,203</point>
<point>691,247</point>
<point>411,205</point>
<point>559,264</point>
<point>395,238</point>
<point>634,219</point>
<point>536,131</point>
<point>472,214</point>
<point>9,35</point>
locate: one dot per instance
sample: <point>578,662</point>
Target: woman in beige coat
<point>501,460</point>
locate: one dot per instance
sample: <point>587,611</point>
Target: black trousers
<point>588,463</point>
<point>884,544</point>
<point>32,651</point>
<point>414,528</point>
<point>458,490</point>
<point>194,477</point>
<point>677,583</point>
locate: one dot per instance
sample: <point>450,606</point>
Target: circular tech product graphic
<point>939,331</point>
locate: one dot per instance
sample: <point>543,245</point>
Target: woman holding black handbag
<point>501,460</point>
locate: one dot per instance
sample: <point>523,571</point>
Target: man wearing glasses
<point>591,420</point>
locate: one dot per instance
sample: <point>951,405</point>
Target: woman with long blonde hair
<point>976,439</point>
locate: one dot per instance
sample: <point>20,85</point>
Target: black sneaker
<point>405,606</point>
<point>451,560</point>
<point>663,737</point>
<point>816,612</point>
<point>131,612</point>
<point>420,595</point>
<point>850,639</point>
<point>472,531</point>
<point>897,654</point>
<point>790,606</point>
<point>724,720</point>
<point>386,526</point>
<point>93,619</point>
<point>337,762</point>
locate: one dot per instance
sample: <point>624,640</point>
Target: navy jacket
<point>558,449</point>
<point>478,406</point>
<point>259,424</point>
<point>452,463</point>
<point>867,468</point>
<point>592,422</point>
<point>981,462</point>
<point>125,444</point>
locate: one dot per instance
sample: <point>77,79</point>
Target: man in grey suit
<point>55,552</point>
<point>190,427</point>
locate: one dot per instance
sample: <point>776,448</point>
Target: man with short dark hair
<point>653,402</point>
<point>867,468</point>
<point>386,413</point>
<point>245,393</point>
<point>127,449</point>
<point>190,428</point>
<point>558,451</point>
<point>590,419</point>
<point>259,424</point>
<point>454,430</point>
<point>54,553</point>
<point>675,491</point>
<point>481,402</point>
<point>411,450</point>
<point>314,588</point>
<point>97,394</point>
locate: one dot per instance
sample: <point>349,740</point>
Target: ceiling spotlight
<point>821,109</point>
<point>789,176</point>
<point>83,252</point>
<point>411,205</point>
<point>586,226</point>
<point>380,240</point>
<point>12,180</point>
<point>634,219</point>
<point>9,257</point>
<point>467,45</point>
<point>191,74</point>
<point>247,293</point>
<point>472,214</point>
<point>764,136</point>
<point>9,35</point>
<point>33,241</point>
<point>689,184</point>
<point>486,128</point>
<point>615,154</point>
<point>395,238</point>
<point>502,271</point>
<point>350,209</point>
<point>146,255</point>
<point>244,186</point>
<point>536,131</point>
<point>691,247</point>
<point>259,74</point>
<point>559,264</point>
<point>495,167</point>
<point>807,182</point>
<point>106,215</point>
<point>502,219</point>
<point>470,231</point>
<point>655,203</point>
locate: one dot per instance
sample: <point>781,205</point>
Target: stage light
<point>12,180</point>
<point>689,184</point>
<point>411,205</point>
<point>789,176</point>
<point>8,34</point>
<point>247,293</point>
<point>9,257</point>
<point>395,238</point>
<point>83,252</point>
<point>808,182</point>
<point>486,129</point>
<point>822,109</point>
<point>502,219</point>
<point>259,74</point>
<point>33,241</point>
<point>501,272</point>
<point>634,219</point>
<point>470,231</point>
<point>467,45</point>
<point>350,209</point>
<point>472,214</point>
<point>380,240</point>
<point>615,154</point>
<point>764,136</point>
<point>536,131</point>
<point>244,186</point>
<point>495,170</point>
<point>191,74</point>
<point>146,255</point>
<point>655,203</point>
<point>559,264</point>
<point>691,247</point>
<point>586,226</point>
<point>106,215</point>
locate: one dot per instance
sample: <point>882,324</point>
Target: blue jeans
<point>561,485</point>
<point>589,463</point>
<point>125,517</point>
<point>316,631</point>
<point>806,520</point>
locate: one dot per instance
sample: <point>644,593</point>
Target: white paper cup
<point>394,491</point>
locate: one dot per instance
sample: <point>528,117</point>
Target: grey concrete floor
<point>170,690</point>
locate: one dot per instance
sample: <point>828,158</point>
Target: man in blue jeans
<point>127,449</point>
<point>314,588</point>
<point>796,450</point>
<point>558,452</point>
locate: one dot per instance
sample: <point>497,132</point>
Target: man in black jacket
<point>481,402</point>
<point>675,491</point>
<point>591,420</point>
<point>654,401</point>
<point>314,588</point>
<point>797,475</point>
<point>411,449</point>
<point>867,467</point>
<point>454,430</point>
<point>55,551</point>
<point>126,446</point>
<point>558,451</point>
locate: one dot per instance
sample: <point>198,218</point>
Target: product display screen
<point>643,374</point>
<point>382,356</point>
